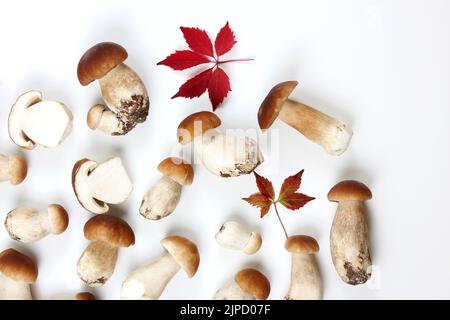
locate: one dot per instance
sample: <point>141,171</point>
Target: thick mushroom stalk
<point>248,284</point>
<point>12,169</point>
<point>162,199</point>
<point>232,235</point>
<point>148,282</point>
<point>124,93</point>
<point>29,225</point>
<point>349,237</point>
<point>331,134</point>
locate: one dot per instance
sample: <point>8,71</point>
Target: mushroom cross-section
<point>232,235</point>
<point>107,234</point>
<point>306,282</point>
<point>332,135</point>
<point>17,272</point>
<point>162,199</point>
<point>224,155</point>
<point>248,284</point>
<point>29,225</point>
<point>98,184</point>
<point>123,92</point>
<point>13,169</point>
<point>349,237</point>
<point>33,121</point>
<point>149,281</point>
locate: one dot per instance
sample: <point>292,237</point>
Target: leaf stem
<point>233,60</point>
<point>279,219</point>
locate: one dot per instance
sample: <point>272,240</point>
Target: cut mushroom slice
<point>248,284</point>
<point>98,184</point>
<point>223,155</point>
<point>35,122</point>
<point>12,169</point>
<point>29,225</point>
<point>331,134</point>
<point>123,92</point>
<point>232,235</point>
<point>162,199</point>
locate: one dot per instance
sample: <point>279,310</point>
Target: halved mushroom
<point>35,122</point>
<point>13,169</point>
<point>248,284</point>
<point>98,184</point>
<point>223,155</point>
<point>123,92</point>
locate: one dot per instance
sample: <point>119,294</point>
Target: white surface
<point>382,66</point>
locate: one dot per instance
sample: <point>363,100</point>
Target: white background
<point>381,66</point>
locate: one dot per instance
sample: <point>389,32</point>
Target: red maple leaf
<point>214,80</point>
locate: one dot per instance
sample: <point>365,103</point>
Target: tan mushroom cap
<point>59,219</point>
<point>177,170</point>
<point>184,252</point>
<point>99,60</point>
<point>271,106</point>
<point>349,190</point>
<point>187,128</point>
<point>17,266</point>
<point>254,282</point>
<point>301,244</point>
<point>18,169</point>
<point>110,229</point>
<point>84,296</point>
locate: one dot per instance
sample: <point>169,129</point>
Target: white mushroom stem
<point>97,263</point>
<point>103,119</point>
<point>232,235</point>
<point>28,225</point>
<point>162,199</point>
<point>5,173</point>
<point>232,291</point>
<point>306,283</point>
<point>14,290</point>
<point>349,241</point>
<point>331,134</point>
<point>148,282</point>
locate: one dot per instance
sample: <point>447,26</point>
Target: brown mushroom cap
<point>59,219</point>
<point>177,170</point>
<point>301,244</point>
<point>109,229</point>
<point>184,252</point>
<point>207,119</point>
<point>99,60</point>
<point>18,169</point>
<point>84,296</point>
<point>349,190</point>
<point>17,266</point>
<point>271,106</point>
<point>254,282</point>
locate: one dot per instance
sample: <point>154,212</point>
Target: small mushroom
<point>12,169</point>
<point>84,296</point>
<point>223,155</point>
<point>248,284</point>
<point>349,238</point>
<point>306,283</point>
<point>149,281</point>
<point>107,234</point>
<point>162,199</point>
<point>35,122</point>
<point>28,225</point>
<point>123,92</point>
<point>232,235</point>
<point>98,184</point>
<point>17,272</point>
<point>331,134</point>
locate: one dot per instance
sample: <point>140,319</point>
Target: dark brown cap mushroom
<point>301,244</point>
<point>177,169</point>
<point>84,296</point>
<point>254,282</point>
<point>188,130</point>
<point>17,266</point>
<point>349,190</point>
<point>109,229</point>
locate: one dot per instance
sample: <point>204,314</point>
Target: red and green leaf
<point>291,184</point>
<point>264,186</point>
<point>295,201</point>
<point>260,201</point>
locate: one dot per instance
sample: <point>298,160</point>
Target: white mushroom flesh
<point>232,235</point>
<point>27,225</point>
<point>5,173</point>
<point>306,283</point>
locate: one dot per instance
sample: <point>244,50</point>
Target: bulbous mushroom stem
<point>99,117</point>
<point>97,263</point>
<point>232,291</point>
<point>331,134</point>
<point>349,242</point>
<point>161,200</point>
<point>14,290</point>
<point>306,283</point>
<point>234,236</point>
<point>148,282</point>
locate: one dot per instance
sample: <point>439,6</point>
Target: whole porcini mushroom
<point>162,199</point>
<point>123,92</point>
<point>29,225</point>
<point>331,134</point>
<point>306,283</point>
<point>84,296</point>
<point>223,155</point>
<point>148,282</point>
<point>232,235</point>
<point>349,238</point>
<point>17,272</point>
<point>98,184</point>
<point>248,284</point>
<point>13,169</point>
<point>33,121</point>
<point>107,234</point>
